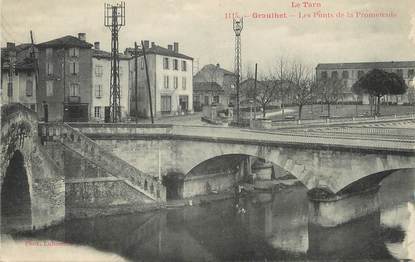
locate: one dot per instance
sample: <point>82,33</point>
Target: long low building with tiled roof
<point>351,72</point>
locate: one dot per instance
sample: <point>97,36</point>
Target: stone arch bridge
<point>31,184</point>
<point>331,166</point>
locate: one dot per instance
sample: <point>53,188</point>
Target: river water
<point>274,227</point>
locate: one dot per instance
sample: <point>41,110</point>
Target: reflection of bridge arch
<point>16,207</point>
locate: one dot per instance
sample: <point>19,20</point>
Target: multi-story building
<point>101,77</point>
<point>213,84</point>
<point>65,82</point>
<point>171,81</point>
<point>18,83</point>
<point>351,72</point>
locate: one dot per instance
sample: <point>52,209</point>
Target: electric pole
<point>238,25</point>
<point>12,64</point>
<point>148,82</point>
<point>114,18</point>
<point>136,81</point>
<point>34,60</point>
<point>256,71</point>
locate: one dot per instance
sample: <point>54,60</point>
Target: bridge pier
<point>330,210</point>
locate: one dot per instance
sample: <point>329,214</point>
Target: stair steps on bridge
<point>89,149</point>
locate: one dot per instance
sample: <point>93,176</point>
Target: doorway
<point>174,185</point>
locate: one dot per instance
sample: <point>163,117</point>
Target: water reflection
<point>274,227</point>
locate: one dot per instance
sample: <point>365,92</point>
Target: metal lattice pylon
<point>114,18</point>
<point>238,25</point>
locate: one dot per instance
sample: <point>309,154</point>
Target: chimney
<point>146,43</point>
<point>96,45</point>
<point>82,36</point>
<point>176,47</point>
<point>170,47</point>
<point>153,44</point>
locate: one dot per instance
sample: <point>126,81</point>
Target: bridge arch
<point>16,199</point>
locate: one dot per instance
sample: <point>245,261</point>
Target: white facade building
<point>171,82</point>
<point>101,77</point>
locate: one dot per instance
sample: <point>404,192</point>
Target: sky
<point>204,32</point>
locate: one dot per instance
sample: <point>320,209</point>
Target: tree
<point>330,91</point>
<point>265,93</point>
<point>302,86</point>
<point>411,97</point>
<point>378,83</point>
<point>282,74</point>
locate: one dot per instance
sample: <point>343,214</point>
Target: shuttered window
<point>49,88</point>
<point>29,87</point>
<point>74,68</point>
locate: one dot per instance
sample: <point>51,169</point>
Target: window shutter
<point>76,66</point>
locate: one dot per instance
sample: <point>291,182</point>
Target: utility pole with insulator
<point>114,18</point>
<point>136,80</point>
<point>238,25</point>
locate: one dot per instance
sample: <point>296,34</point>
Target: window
<point>175,64</point>
<point>206,100</point>
<point>73,52</point>
<point>9,89</point>
<point>49,69</point>
<point>98,70</point>
<point>196,98</point>
<point>175,82</point>
<point>216,99</point>
<point>29,87</point>
<point>345,74</point>
<point>142,64</point>
<point>334,74</point>
<point>74,68</point>
<point>184,83</point>
<point>360,73</point>
<point>49,52</point>
<point>74,90</point>
<point>120,70</point>
<point>399,72</point>
<point>411,73</point>
<point>49,88</point>
<point>97,112</point>
<point>324,75</point>
<point>166,104</point>
<point>166,63</point>
<point>166,82</point>
<point>98,91</point>
<point>184,66</point>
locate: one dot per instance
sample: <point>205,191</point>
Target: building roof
<point>23,57</point>
<point>366,65</point>
<point>66,41</point>
<point>158,50</point>
<point>207,87</point>
<point>216,68</point>
<point>107,55</point>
